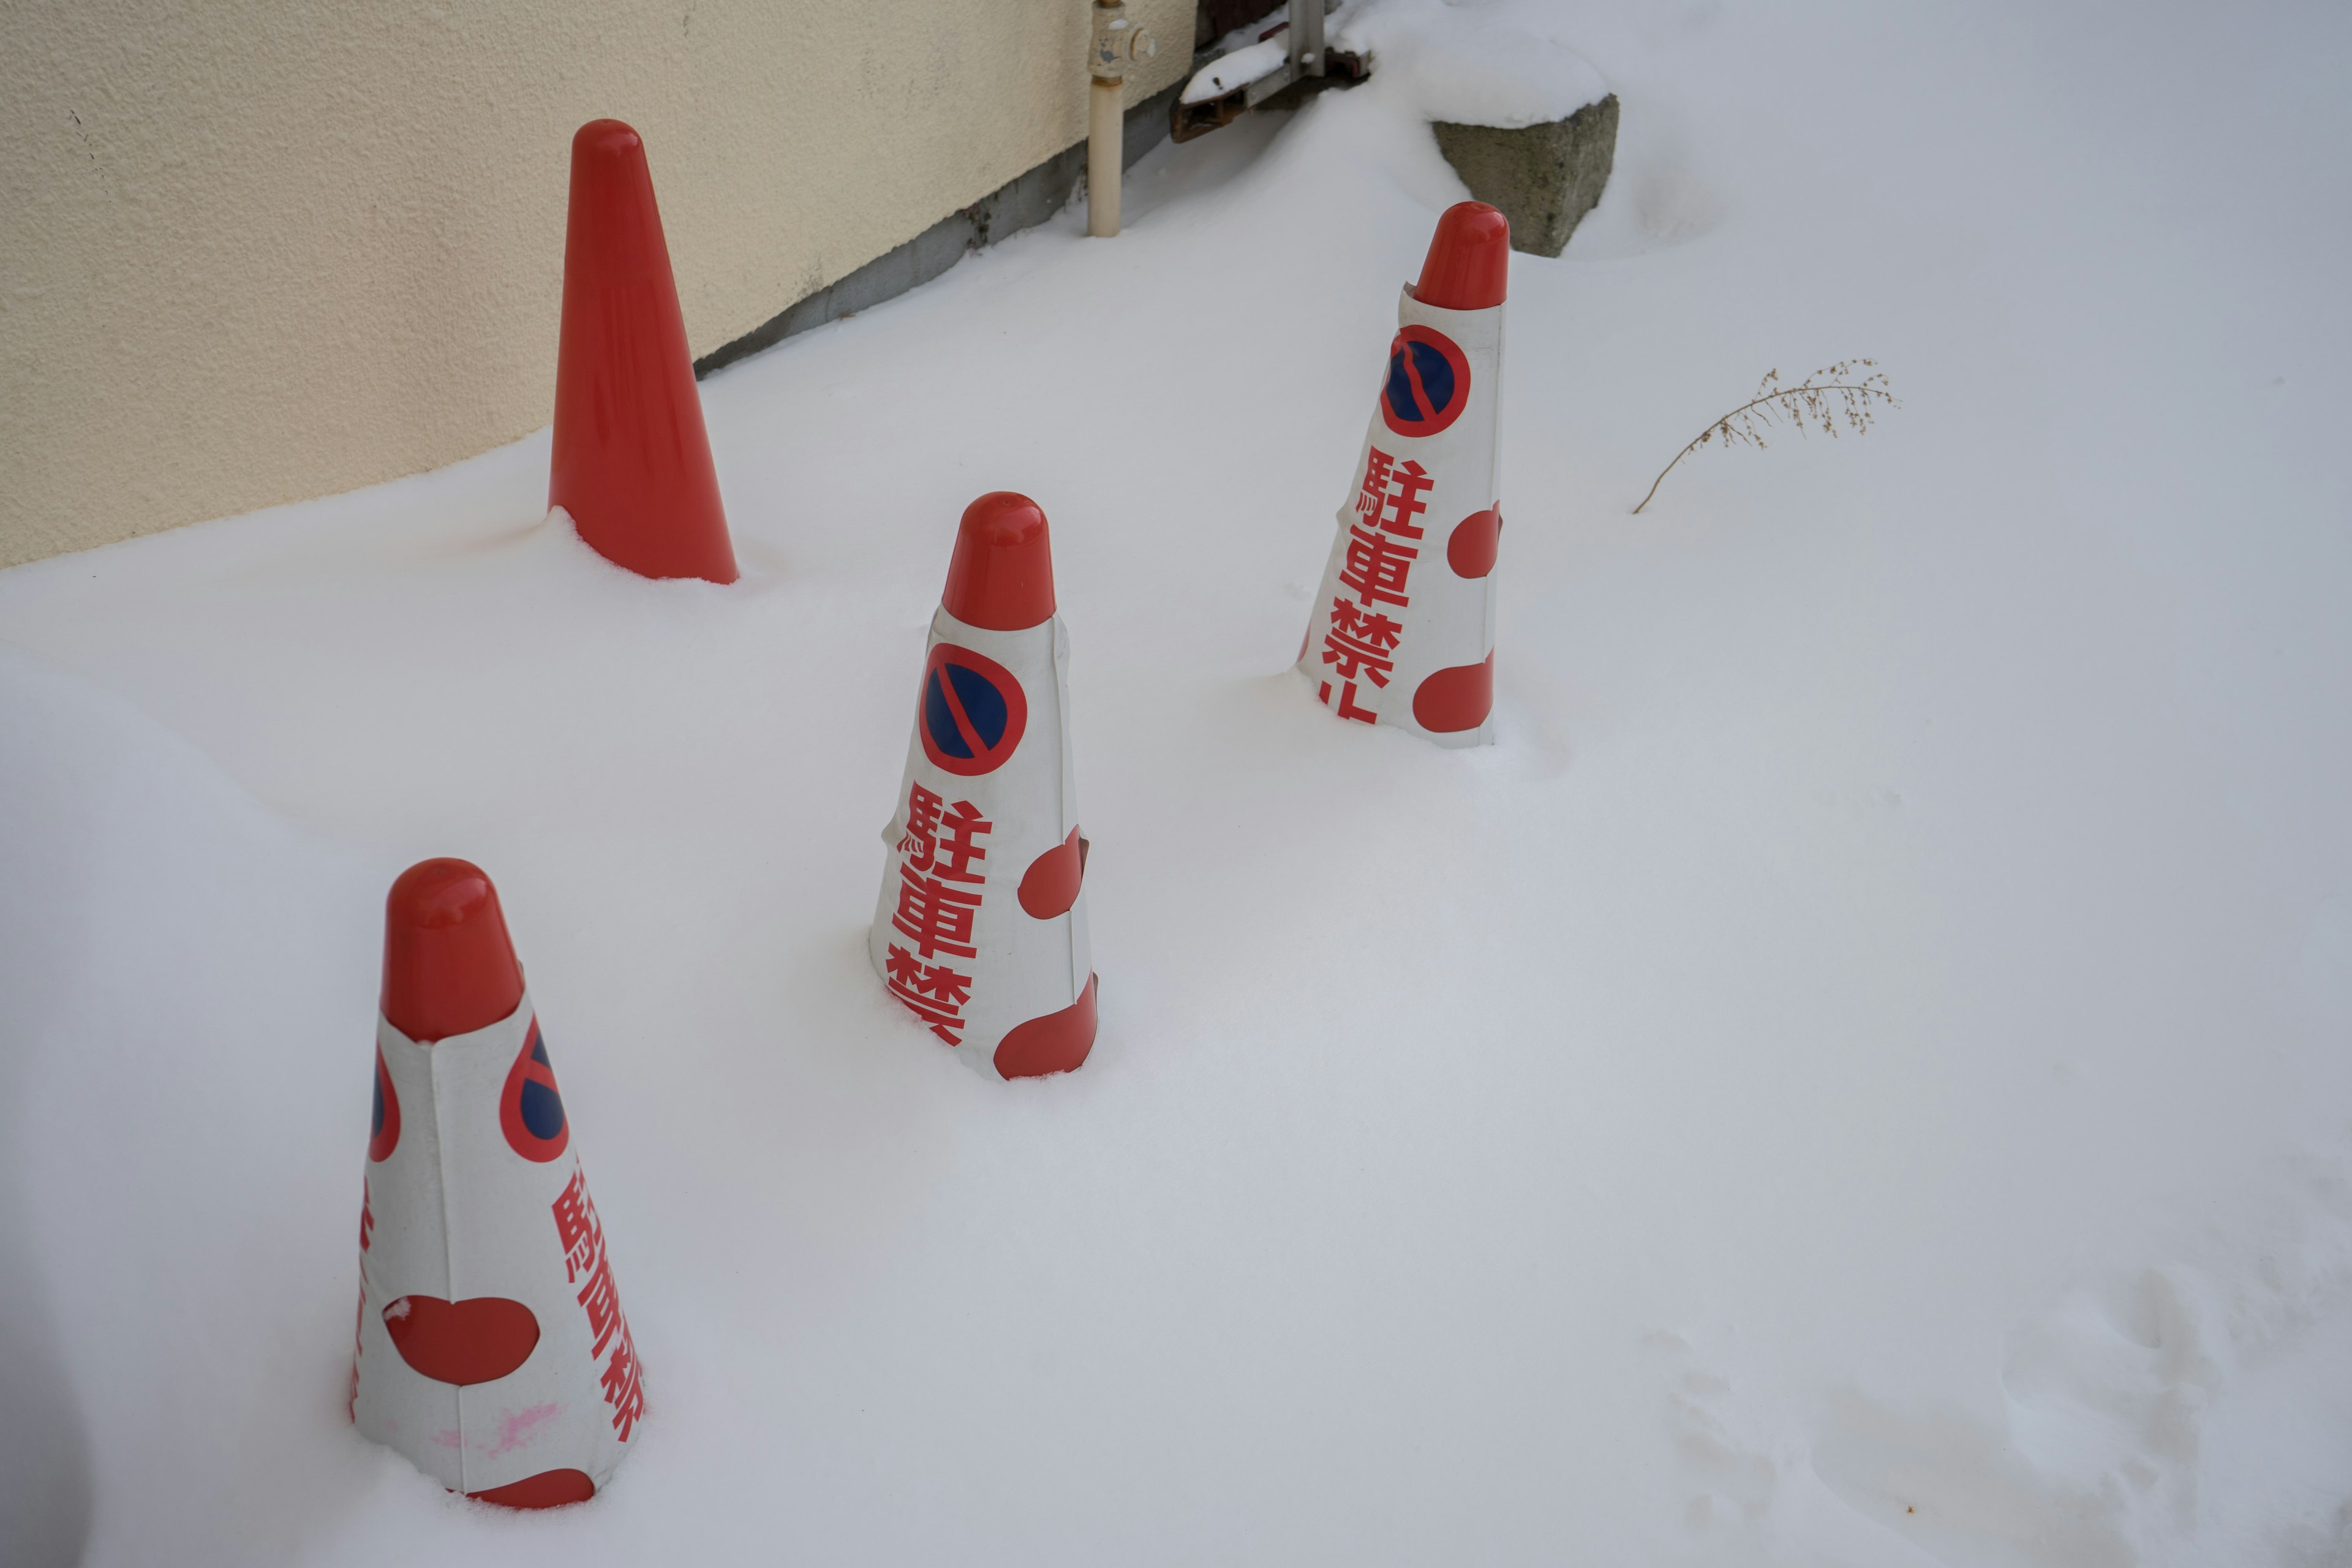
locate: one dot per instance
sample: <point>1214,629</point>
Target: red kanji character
<point>962,827</point>
<point>1377,566</point>
<point>577,1227</point>
<point>604,1304</point>
<point>1404,503</point>
<point>937,916</point>
<point>1376,482</point>
<point>1348,709</point>
<point>912,982</point>
<point>1359,642</point>
<point>624,1388</point>
<point>1354,659</point>
<point>572,1210</point>
<point>1371,627</point>
<point>953,990</point>
<point>922,824</point>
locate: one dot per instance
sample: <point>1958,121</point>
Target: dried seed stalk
<point>1828,397</point>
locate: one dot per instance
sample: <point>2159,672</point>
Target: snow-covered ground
<point>1858,1076</point>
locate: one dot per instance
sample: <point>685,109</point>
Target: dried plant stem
<point>1820,399</point>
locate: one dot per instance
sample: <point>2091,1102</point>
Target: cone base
<point>1446,705</point>
<point>549,1489</point>
<point>1455,700</point>
<point>1058,1042</point>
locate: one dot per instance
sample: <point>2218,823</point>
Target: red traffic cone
<point>492,1350</point>
<point>980,929</point>
<point>1403,629</point>
<point>632,460</point>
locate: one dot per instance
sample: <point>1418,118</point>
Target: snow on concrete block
<point>1544,178</point>
<point>981,927</point>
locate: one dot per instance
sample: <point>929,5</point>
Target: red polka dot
<point>476,1341</point>
<point>1455,700</point>
<point>1051,885</point>
<point>1475,542</point>
<point>549,1489</point>
<point>1058,1042</point>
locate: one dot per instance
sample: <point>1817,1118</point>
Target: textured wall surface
<point>255,251</point>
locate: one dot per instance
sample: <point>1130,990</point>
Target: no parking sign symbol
<point>530,1107</point>
<point>974,712</point>
<point>383,1133</point>
<point>1428,383</point>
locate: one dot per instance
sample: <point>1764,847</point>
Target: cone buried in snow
<point>632,462</point>
<point>492,1350</point>
<point>1403,629</point>
<point>980,929</point>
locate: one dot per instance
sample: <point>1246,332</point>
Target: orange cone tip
<point>448,966</point>
<point>1001,575</point>
<point>632,460</point>
<point>1469,262</point>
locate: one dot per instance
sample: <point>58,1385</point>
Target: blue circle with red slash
<point>383,1131</point>
<point>531,1111</point>
<point>974,712</point>
<point>1428,384</point>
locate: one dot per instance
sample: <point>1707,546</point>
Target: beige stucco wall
<point>255,251</point>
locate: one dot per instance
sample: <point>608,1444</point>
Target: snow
<point>1856,1075</point>
<point>1506,66</point>
<point>1239,69</point>
<point>1503,66</point>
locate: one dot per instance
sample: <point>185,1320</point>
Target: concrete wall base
<point>1020,203</point>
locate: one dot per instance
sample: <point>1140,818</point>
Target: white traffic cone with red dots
<point>492,1352</point>
<point>1403,628</point>
<point>980,929</point>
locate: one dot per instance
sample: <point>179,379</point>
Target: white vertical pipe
<point>1106,132</point>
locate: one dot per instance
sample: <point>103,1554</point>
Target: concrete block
<point>1545,177</point>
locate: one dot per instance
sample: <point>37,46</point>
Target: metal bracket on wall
<point>1309,68</point>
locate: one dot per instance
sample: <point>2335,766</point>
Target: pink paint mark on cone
<point>517,1429</point>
